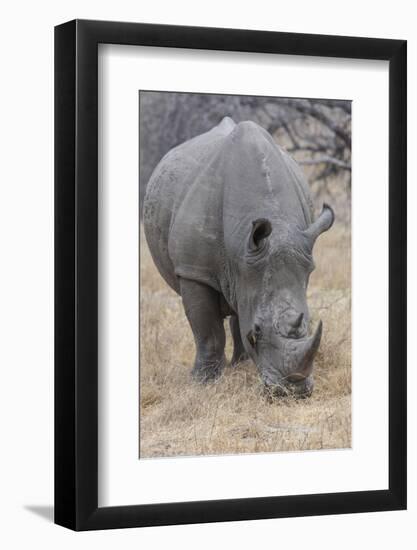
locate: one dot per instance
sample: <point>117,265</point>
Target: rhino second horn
<point>298,321</point>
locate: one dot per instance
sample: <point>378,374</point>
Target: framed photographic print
<point>230,254</point>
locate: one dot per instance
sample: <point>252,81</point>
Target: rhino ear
<point>323,223</point>
<point>261,229</point>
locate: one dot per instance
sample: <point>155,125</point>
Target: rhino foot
<point>208,371</point>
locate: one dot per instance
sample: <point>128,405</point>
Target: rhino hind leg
<point>239,352</point>
<point>202,308</point>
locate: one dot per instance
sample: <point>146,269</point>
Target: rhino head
<point>271,289</point>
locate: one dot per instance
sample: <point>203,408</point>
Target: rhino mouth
<point>300,390</point>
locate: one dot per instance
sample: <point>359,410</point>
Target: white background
<point>26,301</point>
<point>122,478</point>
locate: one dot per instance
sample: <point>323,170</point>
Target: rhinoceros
<point>229,222</point>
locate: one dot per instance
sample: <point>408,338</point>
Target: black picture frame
<point>76,272</point>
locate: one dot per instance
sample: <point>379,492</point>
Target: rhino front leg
<point>202,307</point>
<point>239,352</point>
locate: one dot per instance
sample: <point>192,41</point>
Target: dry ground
<point>180,417</point>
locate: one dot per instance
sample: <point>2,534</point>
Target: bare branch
<point>326,160</point>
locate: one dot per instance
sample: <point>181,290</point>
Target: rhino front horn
<point>313,344</point>
<point>305,355</point>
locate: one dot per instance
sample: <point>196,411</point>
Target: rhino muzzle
<point>294,374</point>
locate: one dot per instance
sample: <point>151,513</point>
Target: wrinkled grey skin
<point>228,219</point>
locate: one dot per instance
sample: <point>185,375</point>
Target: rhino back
<point>263,182</point>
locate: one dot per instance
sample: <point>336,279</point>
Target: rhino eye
<point>253,335</point>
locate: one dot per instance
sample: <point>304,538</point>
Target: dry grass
<point>180,417</point>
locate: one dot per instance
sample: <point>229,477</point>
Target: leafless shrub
<point>317,132</point>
